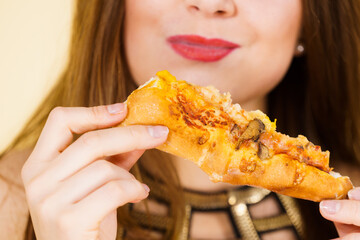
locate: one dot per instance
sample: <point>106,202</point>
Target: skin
<point>262,60</point>
<point>88,190</point>
<point>81,176</point>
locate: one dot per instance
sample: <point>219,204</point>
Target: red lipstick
<point>198,48</point>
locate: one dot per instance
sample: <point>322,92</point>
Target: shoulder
<point>13,206</point>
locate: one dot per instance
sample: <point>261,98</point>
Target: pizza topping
<point>299,149</point>
<point>173,111</point>
<point>263,152</point>
<point>299,176</point>
<point>247,166</point>
<point>235,130</point>
<point>204,138</point>
<point>253,131</point>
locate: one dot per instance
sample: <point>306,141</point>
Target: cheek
<point>144,20</point>
<point>277,31</point>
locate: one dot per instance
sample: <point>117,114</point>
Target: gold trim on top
<point>293,211</point>
<point>272,223</point>
<point>261,224</point>
<point>208,201</point>
<point>243,222</point>
<point>185,228</point>
<point>236,201</point>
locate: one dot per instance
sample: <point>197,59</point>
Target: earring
<point>300,49</point>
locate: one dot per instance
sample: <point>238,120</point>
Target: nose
<point>211,8</point>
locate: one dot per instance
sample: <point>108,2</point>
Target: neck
<point>193,178</point>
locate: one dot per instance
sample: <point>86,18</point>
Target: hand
<point>73,188</point>
<point>345,214</point>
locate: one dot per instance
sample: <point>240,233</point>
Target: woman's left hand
<point>345,214</point>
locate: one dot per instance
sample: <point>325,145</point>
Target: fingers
<point>88,180</point>
<point>81,220</point>
<point>62,123</point>
<point>126,160</point>
<point>345,229</point>
<point>352,236</point>
<point>343,211</point>
<point>58,131</point>
<point>354,194</point>
<point>83,152</point>
<point>102,143</point>
<point>111,196</point>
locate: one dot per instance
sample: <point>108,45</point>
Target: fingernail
<point>116,108</point>
<point>354,194</point>
<point>330,207</point>
<point>146,187</point>
<point>158,131</point>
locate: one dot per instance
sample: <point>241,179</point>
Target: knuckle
<point>32,192</point>
<point>105,167</point>
<point>57,114</point>
<point>115,187</point>
<point>90,139</point>
<point>98,113</point>
<point>64,221</point>
<point>45,210</point>
<point>355,210</point>
<point>136,132</point>
<point>115,190</point>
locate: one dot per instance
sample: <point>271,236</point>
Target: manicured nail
<point>330,207</point>
<point>354,194</point>
<point>158,131</point>
<point>116,108</point>
<point>146,187</point>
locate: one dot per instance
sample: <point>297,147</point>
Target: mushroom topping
<point>235,130</point>
<point>263,152</point>
<point>204,138</point>
<point>253,131</point>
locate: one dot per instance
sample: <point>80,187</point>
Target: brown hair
<point>320,90</point>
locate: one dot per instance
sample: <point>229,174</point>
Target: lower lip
<point>200,50</point>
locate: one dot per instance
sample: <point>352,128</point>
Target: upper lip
<point>202,41</point>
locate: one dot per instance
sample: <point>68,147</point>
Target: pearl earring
<point>300,49</point>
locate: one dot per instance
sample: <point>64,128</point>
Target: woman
<point>76,176</point>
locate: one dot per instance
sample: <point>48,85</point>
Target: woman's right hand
<point>73,188</point>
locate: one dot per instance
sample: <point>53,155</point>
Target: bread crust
<point>202,131</point>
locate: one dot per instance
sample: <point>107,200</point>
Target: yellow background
<point>34,38</point>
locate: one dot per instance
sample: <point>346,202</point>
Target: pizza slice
<point>233,145</point>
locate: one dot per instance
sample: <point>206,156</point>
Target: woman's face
<point>240,46</point>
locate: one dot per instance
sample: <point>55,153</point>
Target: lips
<point>198,48</point>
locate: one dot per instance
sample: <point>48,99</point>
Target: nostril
<point>196,8</point>
<point>220,12</point>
